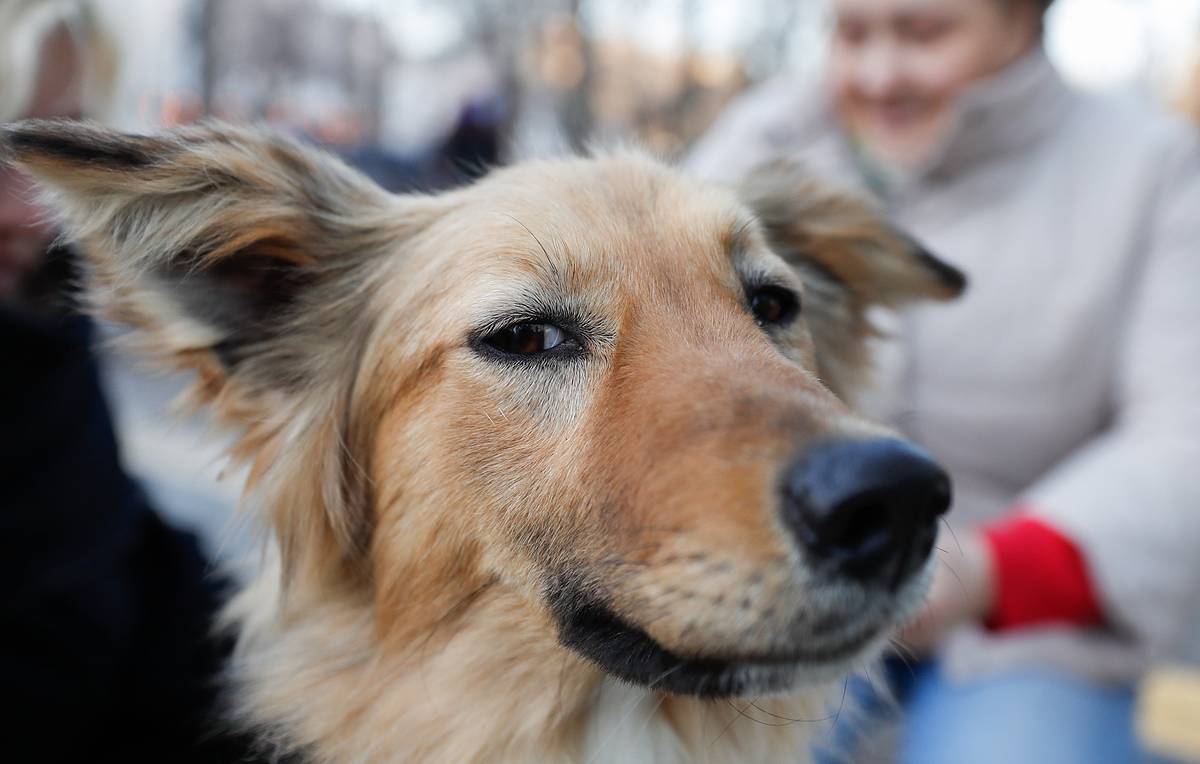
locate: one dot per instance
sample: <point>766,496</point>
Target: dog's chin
<point>627,652</point>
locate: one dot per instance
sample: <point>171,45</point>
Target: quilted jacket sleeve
<point>1130,498</point>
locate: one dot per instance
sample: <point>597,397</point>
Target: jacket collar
<point>997,117</point>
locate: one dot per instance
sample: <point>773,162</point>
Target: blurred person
<point>1061,393</point>
<point>107,616</point>
<point>469,150</point>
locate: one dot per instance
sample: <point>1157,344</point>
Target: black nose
<point>867,509</point>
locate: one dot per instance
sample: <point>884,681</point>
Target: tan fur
<point>426,503</point>
<point>851,259</point>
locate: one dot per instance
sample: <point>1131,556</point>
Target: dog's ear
<point>850,258</point>
<point>214,241</point>
<point>244,256</point>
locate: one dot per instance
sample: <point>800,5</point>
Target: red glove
<point>1039,577</point>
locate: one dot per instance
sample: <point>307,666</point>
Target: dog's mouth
<point>627,652</point>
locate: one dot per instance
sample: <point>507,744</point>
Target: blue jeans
<point>1034,717</point>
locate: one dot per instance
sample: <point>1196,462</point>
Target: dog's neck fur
<point>493,686</point>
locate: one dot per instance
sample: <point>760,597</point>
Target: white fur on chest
<point>629,725</point>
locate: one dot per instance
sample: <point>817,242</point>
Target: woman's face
<point>898,65</point>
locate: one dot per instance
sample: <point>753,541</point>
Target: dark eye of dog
<point>774,305</point>
<point>530,339</point>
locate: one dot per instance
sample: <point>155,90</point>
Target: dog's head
<point>608,390</point>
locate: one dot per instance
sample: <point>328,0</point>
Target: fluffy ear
<point>213,242</point>
<point>850,258</point>
<point>244,256</point>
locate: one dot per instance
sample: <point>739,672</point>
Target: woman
<point>1061,393</point>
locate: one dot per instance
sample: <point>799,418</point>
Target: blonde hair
<point>26,25</point>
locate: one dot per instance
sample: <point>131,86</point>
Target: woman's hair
<point>1041,5</point>
<point>26,26</point>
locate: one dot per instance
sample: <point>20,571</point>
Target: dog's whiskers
<point>904,652</point>
<point>953,535</point>
<point>789,719</point>
<point>962,585</point>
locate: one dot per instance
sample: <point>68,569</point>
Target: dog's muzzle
<point>867,510</point>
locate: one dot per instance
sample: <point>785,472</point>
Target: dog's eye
<point>529,339</point>
<point>774,305</point>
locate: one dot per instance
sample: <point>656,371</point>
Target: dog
<point>559,467</point>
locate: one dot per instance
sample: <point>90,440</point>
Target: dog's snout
<point>866,509</point>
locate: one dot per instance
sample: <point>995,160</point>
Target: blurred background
<point>399,76</point>
<point>424,93</point>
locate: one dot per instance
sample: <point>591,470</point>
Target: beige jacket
<point>1068,379</point>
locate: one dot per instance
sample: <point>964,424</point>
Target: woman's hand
<point>962,591</point>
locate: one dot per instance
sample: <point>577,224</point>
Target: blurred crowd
<point>1060,393</point>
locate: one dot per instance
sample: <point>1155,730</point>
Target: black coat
<point>106,632</point>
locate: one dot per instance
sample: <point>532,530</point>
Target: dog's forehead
<point>610,217</point>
